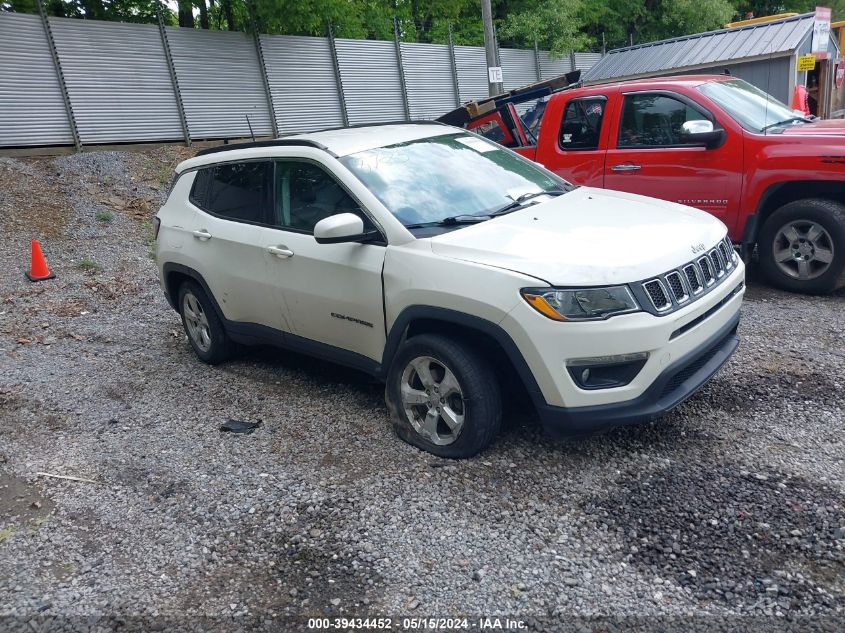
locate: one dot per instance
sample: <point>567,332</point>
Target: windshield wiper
<point>453,220</point>
<point>785,121</point>
<point>518,202</point>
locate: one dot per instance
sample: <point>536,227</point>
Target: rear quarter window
<point>235,191</point>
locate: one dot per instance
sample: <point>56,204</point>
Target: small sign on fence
<point>495,74</point>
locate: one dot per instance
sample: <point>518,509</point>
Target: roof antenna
<point>768,79</point>
<point>251,133</point>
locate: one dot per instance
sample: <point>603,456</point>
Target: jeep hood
<point>587,237</point>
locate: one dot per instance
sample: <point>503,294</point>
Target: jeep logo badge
<point>697,248</point>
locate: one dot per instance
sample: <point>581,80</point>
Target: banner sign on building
<point>821,32</point>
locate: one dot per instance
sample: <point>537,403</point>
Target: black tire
<point>480,400</point>
<point>829,215</point>
<point>220,347</point>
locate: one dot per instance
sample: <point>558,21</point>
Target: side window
<point>650,120</point>
<point>580,127</point>
<point>306,194</point>
<point>492,131</point>
<point>235,191</point>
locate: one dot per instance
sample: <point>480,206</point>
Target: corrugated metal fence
<point>65,81</point>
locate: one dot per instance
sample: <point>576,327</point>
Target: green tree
<point>761,8</point>
<point>552,24</point>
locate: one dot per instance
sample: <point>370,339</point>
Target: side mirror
<point>701,132</point>
<point>340,228</point>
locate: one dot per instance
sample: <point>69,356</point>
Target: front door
<point>648,156</point>
<point>577,151</point>
<point>332,292</point>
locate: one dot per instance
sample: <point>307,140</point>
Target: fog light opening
<point>606,372</point>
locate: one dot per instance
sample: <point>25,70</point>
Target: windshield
<point>454,175</point>
<point>751,107</point>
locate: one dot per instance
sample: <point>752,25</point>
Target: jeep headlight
<point>581,304</point>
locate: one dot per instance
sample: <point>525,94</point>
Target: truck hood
<point>826,127</point>
<point>587,237</point>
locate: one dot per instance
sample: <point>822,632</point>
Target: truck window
<point>581,124</point>
<point>654,120</point>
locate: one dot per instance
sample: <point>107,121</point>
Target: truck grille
<point>677,287</point>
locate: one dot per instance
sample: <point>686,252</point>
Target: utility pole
<point>494,71</point>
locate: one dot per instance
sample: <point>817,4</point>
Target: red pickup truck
<point>775,178</point>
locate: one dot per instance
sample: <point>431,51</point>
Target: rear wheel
<point>802,246</point>
<point>204,329</point>
<point>443,397</point>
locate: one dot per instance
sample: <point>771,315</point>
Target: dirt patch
<point>795,385</point>
<point>309,574</point>
<point>21,505</point>
<point>42,210</point>
<point>738,538</point>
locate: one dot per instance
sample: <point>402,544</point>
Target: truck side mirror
<point>702,132</point>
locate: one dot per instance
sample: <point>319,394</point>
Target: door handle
<point>625,167</point>
<point>280,251</point>
<point>202,234</point>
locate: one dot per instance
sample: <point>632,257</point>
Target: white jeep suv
<point>456,271</point>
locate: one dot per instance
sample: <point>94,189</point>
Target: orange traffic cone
<point>38,270</point>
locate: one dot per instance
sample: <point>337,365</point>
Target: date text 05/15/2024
<point>418,624</point>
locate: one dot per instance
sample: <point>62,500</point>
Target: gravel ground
<point>731,508</point>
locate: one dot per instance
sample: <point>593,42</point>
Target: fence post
<point>60,76</point>
<point>266,79</point>
<point>337,77</point>
<point>537,61</point>
<point>259,51</point>
<point>173,79</point>
<point>454,69</point>
<point>572,59</point>
<point>401,69</point>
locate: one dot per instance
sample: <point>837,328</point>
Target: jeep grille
<point>659,299</point>
<point>676,288</point>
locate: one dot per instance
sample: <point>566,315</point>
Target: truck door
<point>649,156</point>
<point>573,139</point>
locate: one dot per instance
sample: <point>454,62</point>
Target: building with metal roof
<point>763,53</point>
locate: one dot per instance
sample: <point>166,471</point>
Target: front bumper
<point>674,385</point>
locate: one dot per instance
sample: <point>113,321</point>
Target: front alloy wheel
<point>802,246</point>
<point>803,249</point>
<point>433,400</point>
<point>443,396</point>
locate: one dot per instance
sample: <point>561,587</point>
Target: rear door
<point>573,138</point>
<point>230,234</point>
<point>648,155</point>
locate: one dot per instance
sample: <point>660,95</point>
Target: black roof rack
<point>278,142</point>
<point>282,141</point>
